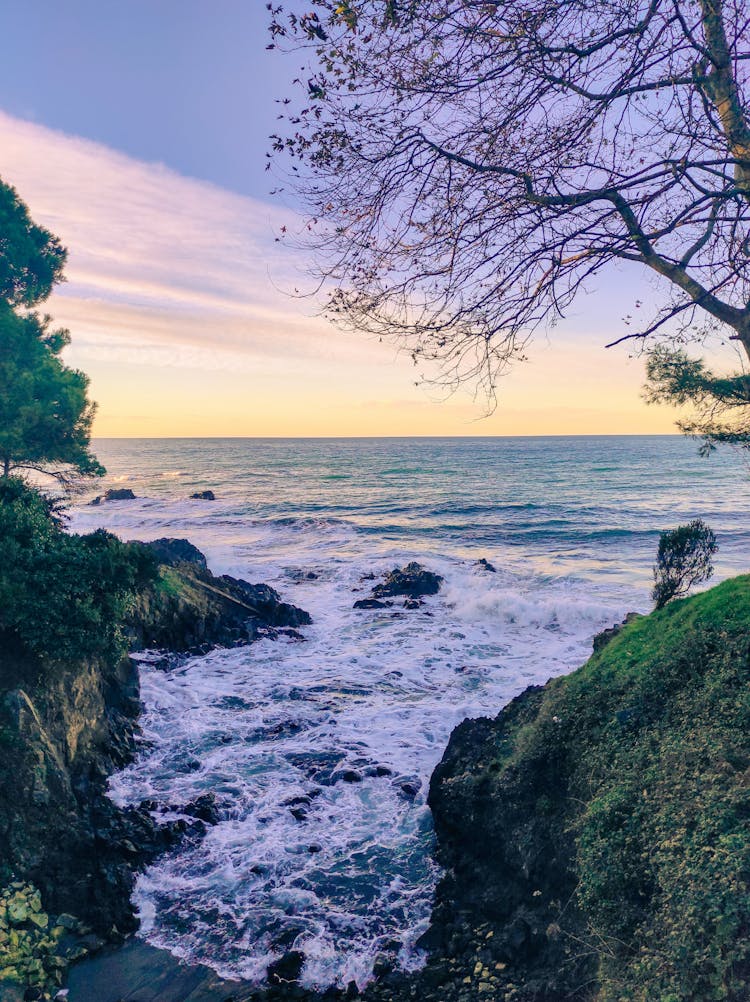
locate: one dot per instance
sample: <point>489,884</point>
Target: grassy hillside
<point>601,825</point>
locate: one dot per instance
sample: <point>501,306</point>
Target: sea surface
<point>571,526</point>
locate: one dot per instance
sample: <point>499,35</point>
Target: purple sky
<point>184,82</point>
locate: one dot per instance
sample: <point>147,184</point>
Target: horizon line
<point>354,438</point>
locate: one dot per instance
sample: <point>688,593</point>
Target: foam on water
<point>370,695</point>
<point>303,857</point>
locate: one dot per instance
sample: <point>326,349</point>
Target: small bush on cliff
<point>62,595</point>
<point>683,559</point>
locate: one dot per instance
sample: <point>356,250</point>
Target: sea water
<point>570,525</point>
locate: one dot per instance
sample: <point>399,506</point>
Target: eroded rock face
<point>63,729</point>
<point>66,726</point>
<point>189,609</point>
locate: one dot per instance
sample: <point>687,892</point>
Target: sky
<point>137,133</point>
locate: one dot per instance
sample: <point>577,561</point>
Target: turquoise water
<point>571,525</point>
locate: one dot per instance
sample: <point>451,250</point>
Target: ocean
<point>570,525</point>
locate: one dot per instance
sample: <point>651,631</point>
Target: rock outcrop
<point>410,582</point>
<point>413,581</point>
<point>114,494</point>
<point>189,609</point>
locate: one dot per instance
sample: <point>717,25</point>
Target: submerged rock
<point>203,496</point>
<point>371,603</point>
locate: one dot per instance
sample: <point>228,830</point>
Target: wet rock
<point>286,969</point>
<point>485,565</point>
<point>412,603</point>
<point>409,788</point>
<point>114,494</point>
<point>320,767</point>
<point>203,496</point>
<point>203,808</point>
<point>413,580</point>
<point>371,603</point>
<point>351,776</point>
<point>378,771</point>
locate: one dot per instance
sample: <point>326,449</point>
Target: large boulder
<point>114,494</point>
<point>413,580</point>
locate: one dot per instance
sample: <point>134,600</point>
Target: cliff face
<point>63,728</point>
<point>596,834</point>
<point>188,608</point>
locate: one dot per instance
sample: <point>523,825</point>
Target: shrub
<point>62,595</point>
<point>682,560</point>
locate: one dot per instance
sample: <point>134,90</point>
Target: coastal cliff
<point>68,855</point>
<point>595,835</point>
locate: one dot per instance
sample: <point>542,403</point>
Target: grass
<point>648,745</point>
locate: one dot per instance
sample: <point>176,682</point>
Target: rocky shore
<point>593,835</point>
<point>68,855</point>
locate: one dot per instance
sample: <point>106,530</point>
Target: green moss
<point>650,742</point>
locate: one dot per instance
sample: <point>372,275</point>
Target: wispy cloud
<point>170,273</point>
<point>160,259</point>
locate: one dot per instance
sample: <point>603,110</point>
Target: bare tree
<point>468,165</point>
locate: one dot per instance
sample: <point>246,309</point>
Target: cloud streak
<point>156,258</point>
<point>170,273</point>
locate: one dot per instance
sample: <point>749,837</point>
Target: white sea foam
<point>367,692</point>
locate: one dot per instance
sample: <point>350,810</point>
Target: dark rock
<point>286,969</point>
<point>486,565</point>
<point>371,603</point>
<point>172,551</point>
<point>119,494</point>
<point>408,787</point>
<point>382,965</point>
<point>351,776</point>
<point>203,496</point>
<point>379,771</point>
<point>412,603</point>
<point>203,808</point>
<point>412,580</point>
<point>602,639</point>
<point>190,610</point>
